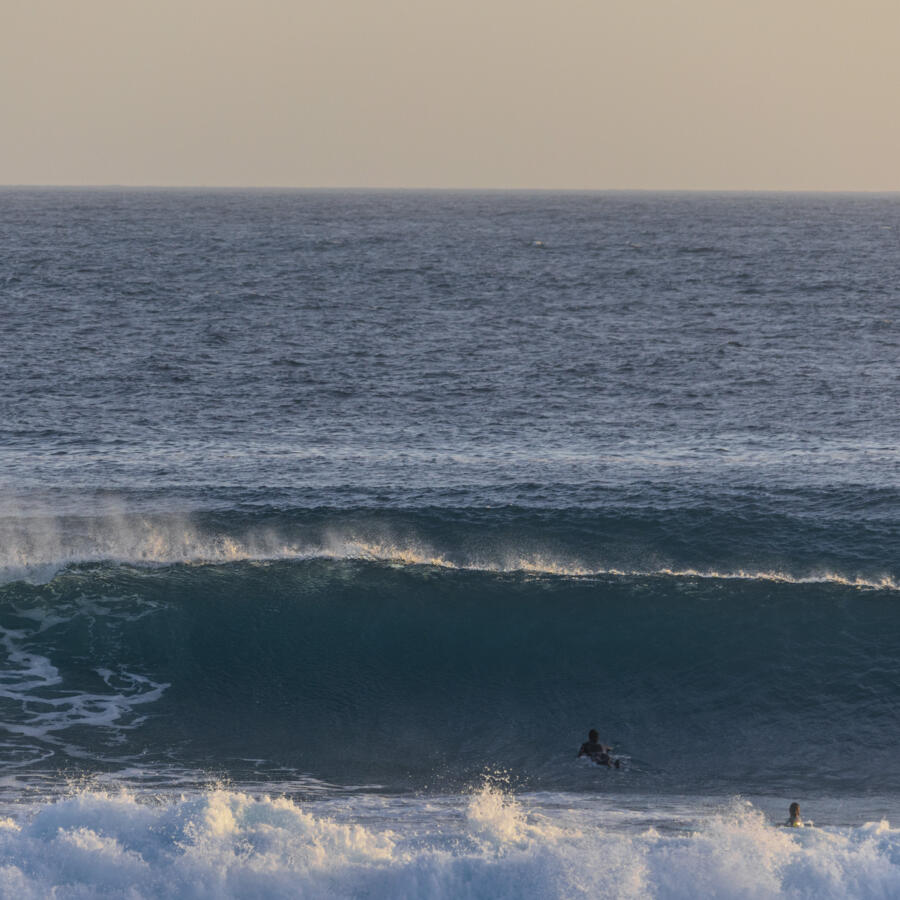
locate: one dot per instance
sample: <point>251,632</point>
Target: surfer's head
<point>593,735</point>
<point>794,811</point>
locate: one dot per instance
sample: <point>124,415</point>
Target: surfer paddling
<point>596,751</point>
<point>794,820</point>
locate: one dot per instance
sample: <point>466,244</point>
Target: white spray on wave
<point>489,845</point>
<point>34,546</point>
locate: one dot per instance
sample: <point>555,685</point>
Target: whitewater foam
<point>229,844</point>
<point>31,682</point>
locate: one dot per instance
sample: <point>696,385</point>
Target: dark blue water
<point>395,487</point>
<point>330,522</point>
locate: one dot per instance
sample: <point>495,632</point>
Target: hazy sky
<point>717,94</point>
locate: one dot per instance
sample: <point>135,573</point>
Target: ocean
<point>331,522</point>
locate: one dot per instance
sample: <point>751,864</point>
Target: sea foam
<point>225,843</point>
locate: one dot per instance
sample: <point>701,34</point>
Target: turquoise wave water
<point>415,674</point>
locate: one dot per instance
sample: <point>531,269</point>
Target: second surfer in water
<point>794,820</point>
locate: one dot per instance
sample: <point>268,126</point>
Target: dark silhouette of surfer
<point>598,752</point>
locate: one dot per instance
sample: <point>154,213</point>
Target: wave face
<point>347,649</point>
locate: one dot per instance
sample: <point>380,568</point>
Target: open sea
<point>330,522</point>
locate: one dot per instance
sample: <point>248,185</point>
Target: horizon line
<point>446,190</point>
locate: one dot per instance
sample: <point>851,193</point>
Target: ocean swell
<point>696,680</point>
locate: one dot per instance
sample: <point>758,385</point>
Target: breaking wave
<point>34,547</point>
<point>489,845</point>
<point>447,669</point>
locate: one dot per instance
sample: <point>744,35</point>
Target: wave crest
<point>36,547</point>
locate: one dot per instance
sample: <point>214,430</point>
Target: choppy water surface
<point>330,522</point>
